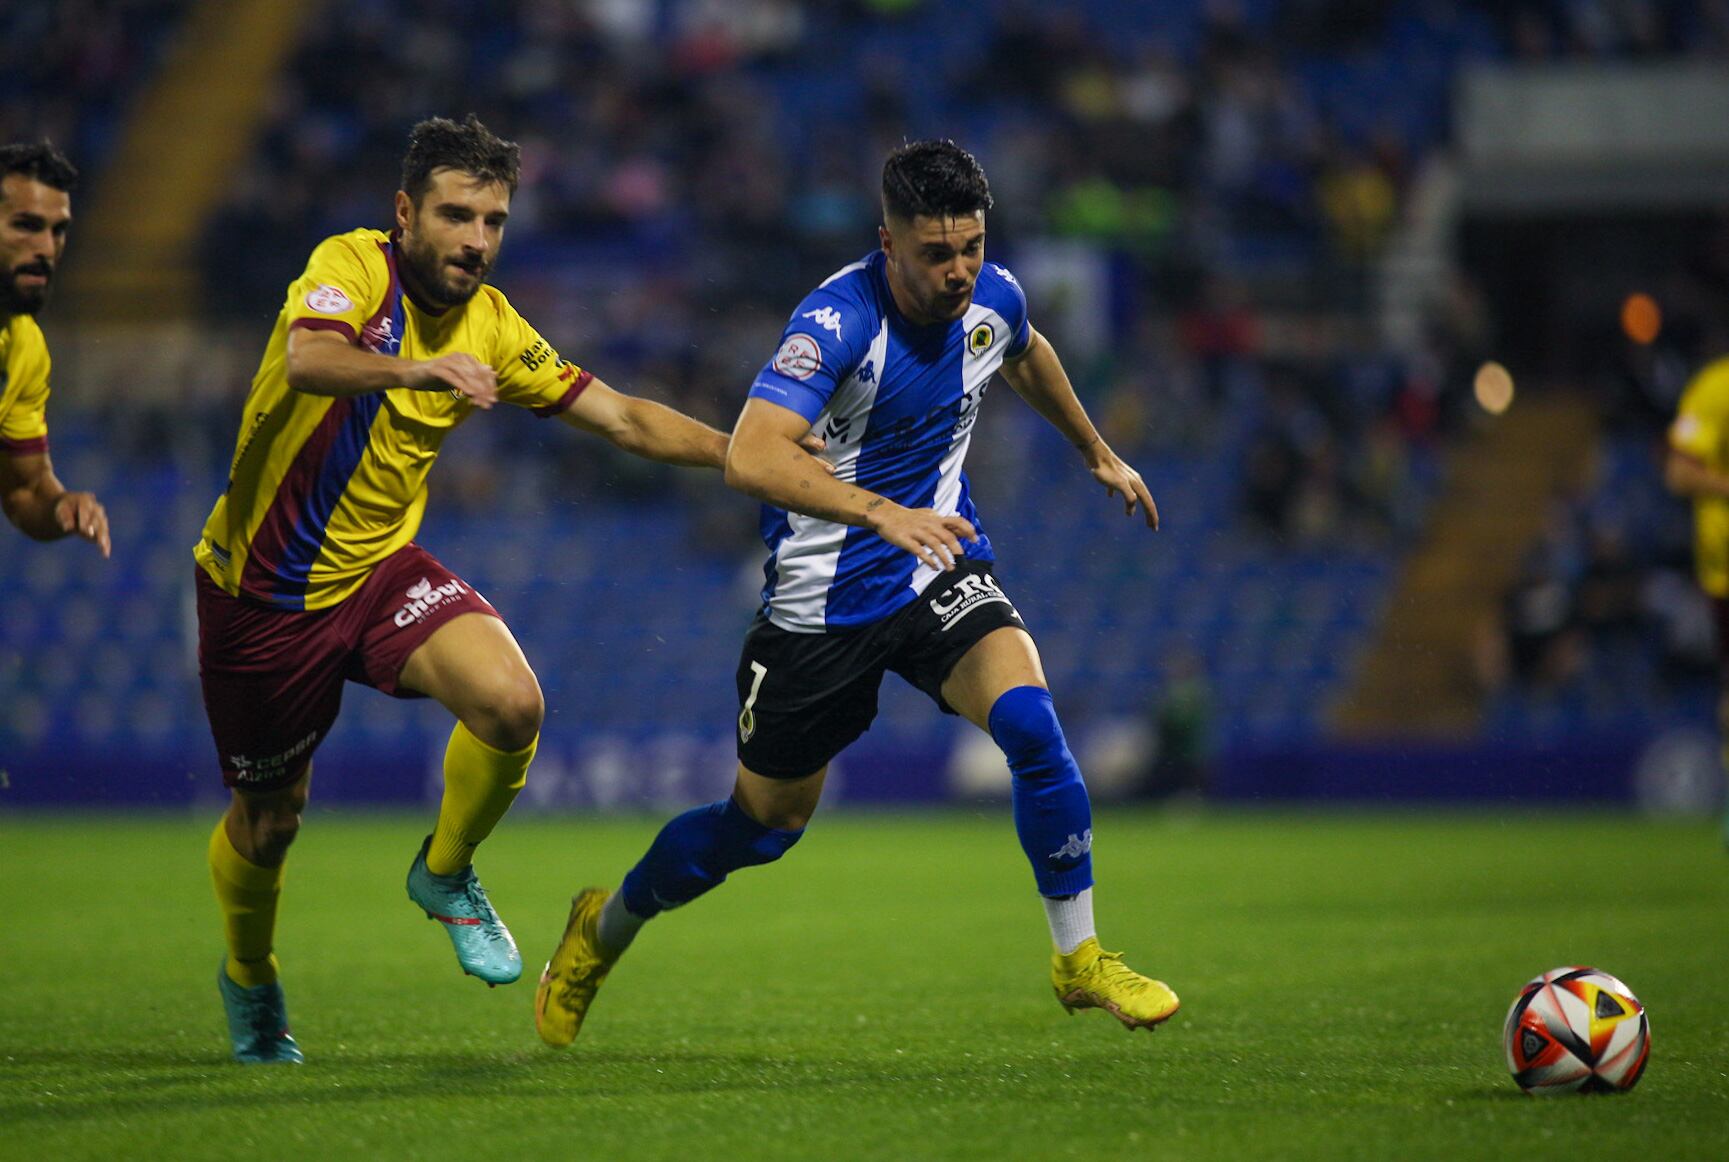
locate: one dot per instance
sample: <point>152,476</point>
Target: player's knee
<point>509,718</point>
<point>792,820</point>
<point>272,827</point>
<point>789,815</point>
<point>1024,724</point>
<point>747,840</point>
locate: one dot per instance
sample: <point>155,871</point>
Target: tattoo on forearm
<point>875,504</point>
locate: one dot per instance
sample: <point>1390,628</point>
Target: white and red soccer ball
<point>1576,1030</point>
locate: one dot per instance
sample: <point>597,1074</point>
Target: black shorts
<point>804,697</point>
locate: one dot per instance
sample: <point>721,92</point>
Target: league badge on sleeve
<point>981,339</point>
<point>329,300</point>
<point>798,358</point>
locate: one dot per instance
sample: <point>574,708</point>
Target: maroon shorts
<point>273,677</point>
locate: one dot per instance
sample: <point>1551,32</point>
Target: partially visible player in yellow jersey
<point>1698,467</point>
<point>36,184</point>
<point>308,575</point>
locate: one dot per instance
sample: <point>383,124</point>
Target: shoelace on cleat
<point>579,975</point>
<point>1111,970</point>
<point>492,925</point>
<point>262,1017</point>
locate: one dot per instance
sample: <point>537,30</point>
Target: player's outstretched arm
<point>767,459</point>
<point>1686,476</point>
<point>646,428</point>
<point>1038,377</point>
<point>42,508</point>
<point>326,363</point>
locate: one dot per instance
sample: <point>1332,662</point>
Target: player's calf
<point>696,852</point>
<point>1053,816</point>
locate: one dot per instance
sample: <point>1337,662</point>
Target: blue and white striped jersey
<point>896,404</point>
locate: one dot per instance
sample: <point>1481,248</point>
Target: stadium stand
<point>690,167</point>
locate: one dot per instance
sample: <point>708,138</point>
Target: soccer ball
<point>1576,1030</point>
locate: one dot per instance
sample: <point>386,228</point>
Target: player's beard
<point>426,268</point>
<point>947,308</point>
<point>18,300</point>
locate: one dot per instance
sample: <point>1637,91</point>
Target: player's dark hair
<point>440,143</point>
<point>938,179</point>
<point>41,162</point>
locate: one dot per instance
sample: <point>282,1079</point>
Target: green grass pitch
<point>882,993</point>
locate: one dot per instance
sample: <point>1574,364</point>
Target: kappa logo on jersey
<point>424,597</point>
<point>329,300</point>
<point>1006,276</point>
<point>1074,849</point>
<point>970,592</point>
<point>798,358</point>
<point>867,373</point>
<point>981,339</point>
<point>827,318</point>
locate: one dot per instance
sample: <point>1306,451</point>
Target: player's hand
<point>461,374</point>
<point>1109,470</point>
<point>933,538</point>
<point>82,515</point>
<point>814,444</point>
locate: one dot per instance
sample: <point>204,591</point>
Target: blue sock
<point>694,853</point>
<point>1052,814</point>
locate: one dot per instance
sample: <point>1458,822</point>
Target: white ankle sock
<point>1071,920</point>
<point>618,924</point>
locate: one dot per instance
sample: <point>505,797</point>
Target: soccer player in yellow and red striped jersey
<point>36,183</point>
<point>307,570</point>
<point>1698,468</point>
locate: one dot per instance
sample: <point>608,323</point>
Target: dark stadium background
<point>1275,243</point>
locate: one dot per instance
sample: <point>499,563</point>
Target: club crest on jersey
<point>329,300</point>
<point>981,339</point>
<point>798,358</point>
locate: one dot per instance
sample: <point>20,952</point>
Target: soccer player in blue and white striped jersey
<point>878,561</point>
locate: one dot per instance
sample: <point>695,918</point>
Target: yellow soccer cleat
<point>1089,978</point>
<point>575,973</point>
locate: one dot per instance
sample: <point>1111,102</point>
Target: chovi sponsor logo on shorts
<point>424,597</point>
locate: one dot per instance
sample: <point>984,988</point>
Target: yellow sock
<point>247,895</point>
<point>480,784</point>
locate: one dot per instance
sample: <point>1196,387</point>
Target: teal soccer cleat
<point>257,1022</point>
<point>483,944</point>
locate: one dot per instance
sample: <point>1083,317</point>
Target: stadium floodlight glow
<point>1493,387</point>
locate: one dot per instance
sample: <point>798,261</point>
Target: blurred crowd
<point>691,168</point>
<point>68,67</point>
<point>1197,202</point>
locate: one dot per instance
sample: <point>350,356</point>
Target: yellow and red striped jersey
<point>1701,430</point>
<point>23,387</point>
<point>322,489</point>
